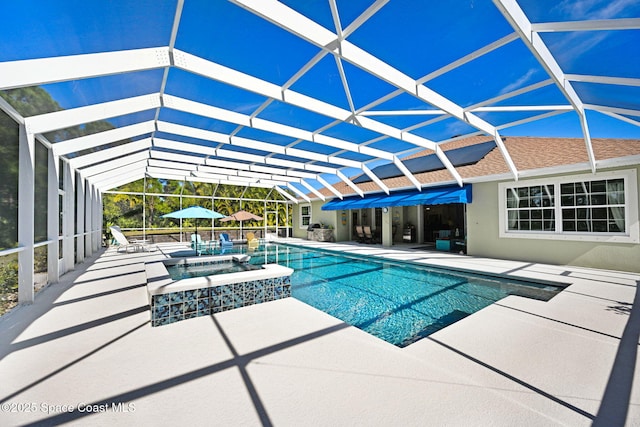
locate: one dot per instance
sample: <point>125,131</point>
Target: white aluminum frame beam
<point>238,179</point>
<point>188,167</point>
<point>220,181</point>
<point>622,81</point>
<point>102,138</point>
<point>170,164</point>
<point>286,195</point>
<point>300,25</point>
<point>36,72</point>
<point>312,189</point>
<point>616,110</point>
<point>110,153</point>
<point>138,166</point>
<point>77,116</point>
<point>174,174</point>
<point>350,183</point>
<point>222,174</point>
<point>249,143</point>
<point>519,21</point>
<point>509,109</point>
<point>119,180</point>
<point>113,165</point>
<point>587,25</point>
<point>216,113</point>
<point>330,187</point>
<point>375,178</point>
<point>512,94</point>
<point>623,118</point>
<point>227,75</point>
<point>408,174</point>
<point>470,57</point>
<point>175,157</point>
<point>531,119</point>
<point>401,113</point>
<point>298,192</point>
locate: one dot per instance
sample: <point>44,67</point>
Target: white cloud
<point>518,83</point>
<point>571,45</point>
<point>457,128</point>
<point>592,9</point>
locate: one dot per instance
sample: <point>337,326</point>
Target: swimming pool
<point>397,302</point>
<point>186,271</point>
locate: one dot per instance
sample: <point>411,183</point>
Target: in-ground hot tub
<point>174,300</point>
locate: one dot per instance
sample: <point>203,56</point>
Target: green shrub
<point>8,286</point>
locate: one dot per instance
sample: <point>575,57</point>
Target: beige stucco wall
<point>333,218</point>
<point>483,240</point>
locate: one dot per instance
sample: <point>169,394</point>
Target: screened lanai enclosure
<point>268,103</point>
<point>142,209</point>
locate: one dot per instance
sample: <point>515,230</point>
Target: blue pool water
<point>186,271</point>
<point>397,302</point>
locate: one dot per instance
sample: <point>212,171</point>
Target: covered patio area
<point>85,352</point>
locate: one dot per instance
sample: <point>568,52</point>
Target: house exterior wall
<point>483,238</point>
<point>332,218</point>
<point>483,232</point>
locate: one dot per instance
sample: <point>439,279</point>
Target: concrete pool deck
<point>86,343</point>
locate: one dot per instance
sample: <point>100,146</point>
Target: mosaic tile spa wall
<point>176,306</point>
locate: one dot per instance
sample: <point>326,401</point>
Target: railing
<point>159,235</point>
<point>11,251</point>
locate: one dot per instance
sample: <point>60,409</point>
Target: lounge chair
<point>252,242</point>
<point>360,233</point>
<point>368,235</point>
<point>123,242</point>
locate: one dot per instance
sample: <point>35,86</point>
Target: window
<point>305,216</point>
<point>531,208</point>
<point>581,207</point>
<point>593,206</point>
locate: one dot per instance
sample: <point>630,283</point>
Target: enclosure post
<point>53,217</point>
<point>144,208</point>
<point>67,218</point>
<point>26,202</point>
<point>79,232</point>
<point>88,214</point>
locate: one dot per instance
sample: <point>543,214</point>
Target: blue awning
<point>428,196</point>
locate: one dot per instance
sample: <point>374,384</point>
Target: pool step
<point>442,322</point>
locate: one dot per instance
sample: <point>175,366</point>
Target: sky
<point>415,41</point>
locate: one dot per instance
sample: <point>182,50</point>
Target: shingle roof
<point>528,154</point>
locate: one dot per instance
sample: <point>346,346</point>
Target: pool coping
<point>160,282</point>
<point>431,265</point>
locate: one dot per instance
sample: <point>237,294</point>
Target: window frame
<point>302,224</point>
<point>632,228</point>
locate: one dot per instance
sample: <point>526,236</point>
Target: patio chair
<point>123,242</point>
<point>201,247</point>
<point>368,235</point>
<point>252,242</point>
<point>225,242</point>
<point>196,241</point>
<point>360,233</point>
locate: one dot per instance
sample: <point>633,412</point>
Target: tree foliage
<point>30,101</point>
<point>8,182</point>
<point>125,208</point>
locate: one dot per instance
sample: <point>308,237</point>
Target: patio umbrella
<point>196,212</point>
<point>241,216</point>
